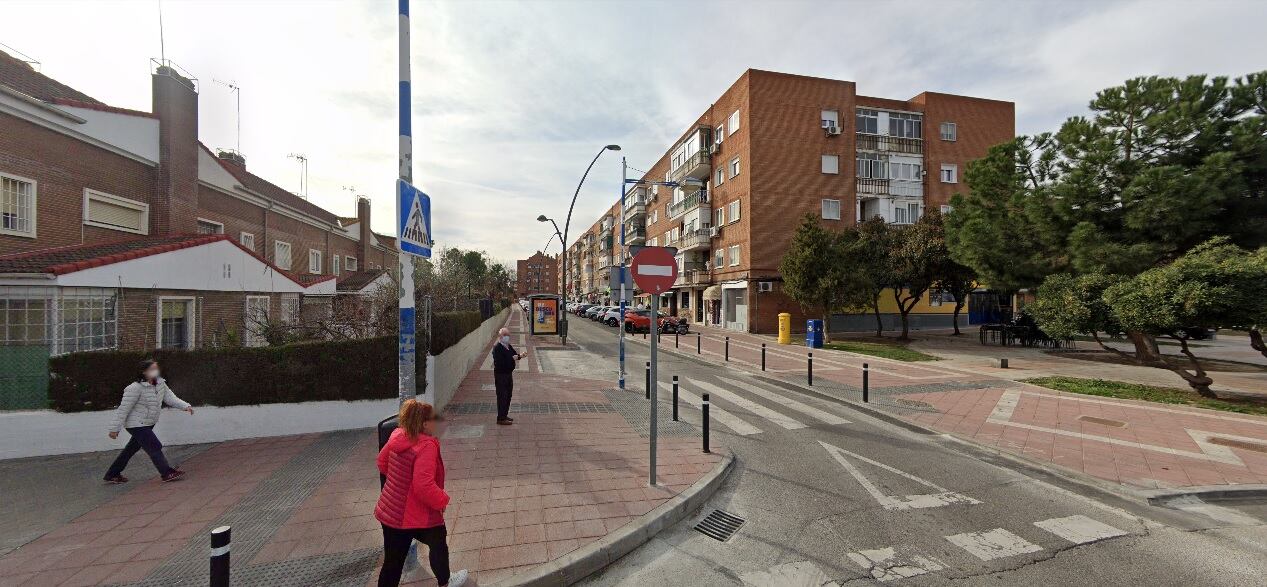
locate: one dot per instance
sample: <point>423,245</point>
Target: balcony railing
<point>889,187</point>
<point>890,144</point>
<point>688,203</point>
<point>635,203</point>
<point>603,262</point>
<point>689,275</point>
<point>696,239</point>
<point>874,187</point>
<point>635,234</point>
<point>697,166</point>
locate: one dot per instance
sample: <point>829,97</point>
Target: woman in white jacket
<point>143,400</point>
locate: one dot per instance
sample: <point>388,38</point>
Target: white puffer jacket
<point>142,403</point>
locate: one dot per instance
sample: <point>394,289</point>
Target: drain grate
<point>720,525</point>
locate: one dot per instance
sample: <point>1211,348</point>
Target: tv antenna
<point>356,197</point>
<point>237,92</point>
<point>303,173</point>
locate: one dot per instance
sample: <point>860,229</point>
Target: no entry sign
<point>654,269</point>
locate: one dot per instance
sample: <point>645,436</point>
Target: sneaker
<point>504,422</point>
<point>116,479</point>
<point>173,475</point>
<point>458,579</point>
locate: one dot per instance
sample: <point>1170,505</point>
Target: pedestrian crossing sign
<point>413,209</point>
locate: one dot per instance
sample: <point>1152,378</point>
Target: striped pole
<point>407,341</point>
<point>220,557</point>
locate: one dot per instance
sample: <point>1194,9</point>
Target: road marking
<point>1080,529</point>
<point>751,406</point>
<point>1006,406</point>
<point>893,502</point>
<point>799,574</point>
<point>1192,503</point>
<point>811,411</point>
<point>731,421</point>
<point>996,543</point>
<point>885,564</point>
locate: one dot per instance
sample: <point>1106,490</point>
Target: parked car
<point>596,312</point>
<point>581,308</point>
<point>612,316</point>
<point>640,321</point>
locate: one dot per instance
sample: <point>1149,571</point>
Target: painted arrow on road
<point>893,502</point>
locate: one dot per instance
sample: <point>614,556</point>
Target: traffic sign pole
<point>407,339</point>
<point>620,328</point>
<point>654,270</point>
<point>654,327</point>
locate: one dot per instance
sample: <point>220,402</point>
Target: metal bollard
<point>727,348</point>
<point>676,336</point>
<point>704,408</point>
<point>763,356</point>
<point>220,557</point>
<point>866,382</point>
<point>697,343</point>
<point>809,373</point>
<point>648,379</point>
<point>675,398</point>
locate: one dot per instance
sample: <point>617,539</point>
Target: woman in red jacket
<point>412,504</point>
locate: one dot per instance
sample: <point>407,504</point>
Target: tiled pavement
<point>572,469</point>
<point>1138,444</point>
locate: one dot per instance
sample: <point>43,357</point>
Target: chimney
<point>231,156</point>
<point>175,206</point>
<point>367,236</point>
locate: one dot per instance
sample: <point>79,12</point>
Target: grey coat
<point>142,403</point>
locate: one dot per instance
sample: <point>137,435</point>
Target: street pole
<point>620,328</point>
<point>406,341</point>
<point>655,397</point>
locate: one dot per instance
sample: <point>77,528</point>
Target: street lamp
<point>563,270</point>
<point>563,325</point>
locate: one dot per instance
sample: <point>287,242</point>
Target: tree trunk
<point>1198,379</point>
<point>1146,350</point>
<point>958,308</point>
<point>1256,341</point>
<point>906,329</point>
<point>879,324</point>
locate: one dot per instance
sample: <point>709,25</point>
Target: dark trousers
<point>142,438</point>
<point>505,383</point>
<point>396,548</point>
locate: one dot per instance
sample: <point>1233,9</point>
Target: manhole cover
<point>720,525</point>
<point>912,403</point>
<point>1103,421</point>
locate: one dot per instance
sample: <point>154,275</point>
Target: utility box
<point>814,334</point>
<point>785,328</point>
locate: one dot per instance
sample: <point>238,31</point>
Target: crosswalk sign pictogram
<point>413,209</point>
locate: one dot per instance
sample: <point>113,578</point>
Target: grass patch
<point>1149,393</point>
<point>896,352</point>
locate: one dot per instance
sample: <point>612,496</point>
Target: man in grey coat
<point>142,404</point>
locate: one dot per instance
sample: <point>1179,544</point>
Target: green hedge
<point>447,328</point>
<point>310,371</point>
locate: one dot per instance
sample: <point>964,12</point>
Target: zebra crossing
<point>733,393</point>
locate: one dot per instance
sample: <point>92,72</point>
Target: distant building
<point>538,274</point>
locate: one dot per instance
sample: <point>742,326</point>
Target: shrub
<point>447,328</point>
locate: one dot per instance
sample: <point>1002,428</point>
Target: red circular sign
<point>654,269</point>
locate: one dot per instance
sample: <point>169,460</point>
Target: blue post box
<point>814,334</point>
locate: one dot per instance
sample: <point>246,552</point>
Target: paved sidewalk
<point>572,469</point>
<point>1141,445</point>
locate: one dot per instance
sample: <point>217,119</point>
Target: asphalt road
<point>833,496</point>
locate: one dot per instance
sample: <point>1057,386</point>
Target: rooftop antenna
<point>356,197</point>
<point>233,87</point>
<point>162,45</point>
<point>303,177</point>
<point>23,57</point>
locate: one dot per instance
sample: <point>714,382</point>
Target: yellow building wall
<point>889,306</point>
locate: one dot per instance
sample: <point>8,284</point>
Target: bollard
<point>727,348</point>
<point>220,557</point>
<point>704,408</point>
<point>675,338</point>
<point>648,379</point>
<point>866,382</point>
<point>1003,363</point>
<point>675,398</point>
<point>763,356</point>
<point>697,343</point>
<point>809,373</point>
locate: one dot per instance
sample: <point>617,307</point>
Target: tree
<point>960,281</point>
<point>916,260</point>
<point>817,274</point>
<point>871,244</point>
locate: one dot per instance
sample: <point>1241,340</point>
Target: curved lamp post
<point>563,328</point>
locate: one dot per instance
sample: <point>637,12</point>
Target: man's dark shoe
<point>510,419</point>
<point>173,475</point>
<point>505,422</point>
<point>116,479</point>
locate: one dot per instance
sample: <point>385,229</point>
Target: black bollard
<point>697,343</point>
<point>648,379</point>
<point>809,373</point>
<point>675,339</point>
<point>220,557</point>
<point>704,408</point>
<point>728,348</point>
<point>675,398</point>
<point>763,356</point>
<point>866,383</point>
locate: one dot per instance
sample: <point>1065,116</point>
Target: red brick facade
<point>538,274</point>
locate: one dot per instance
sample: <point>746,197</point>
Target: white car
<point>612,316</point>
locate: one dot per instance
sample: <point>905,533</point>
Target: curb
<point>589,559</point>
<point>1208,493</point>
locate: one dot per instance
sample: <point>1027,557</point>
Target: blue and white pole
<point>407,341</point>
<point>620,328</point>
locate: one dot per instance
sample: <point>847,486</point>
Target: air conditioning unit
<point>765,286</point>
<point>831,130</point>
<point>714,148</point>
<point>714,232</point>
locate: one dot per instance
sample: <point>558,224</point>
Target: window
<point>655,242</point>
<point>686,300</point>
<point>655,215</point>
<point>17,206</point>
<point>734,255</point>
<point>905,125</point>
<point>721,177</point>
<point>949,173</point>
<point>734,167</point>
<point>255,320</point>
<point>719,259</point>
<point>334,264</point>
<point>829,118</point>
<point>831,164</point>
<point>904,171</point>
<point>733,122</point>
<point>720,134</point>
<point>905,213</point>
<point>719,216</point>
<point>350,263</point>
<point>733,212</point>
<point>281,254</point>
<point>831,209</point>
<point>872,166</point>
<point>248,240</point>
<point>290,308</point>
<point>868,121</point>
<point>176,323</point>
<point>209,227</point>
<point>946,208</point>
<point>949,132</point>
<point>106,211</point>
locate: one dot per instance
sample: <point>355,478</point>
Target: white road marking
<point>1006,406</point>
<point>996,543</point>
<point>885,564</point>
<point>816,413</point>
<point>1192,503</point>
<point>747,404</point>
<point>731,421</point>
<point>799,574</point>
<point>1080,529</point>
<point>892,502</point>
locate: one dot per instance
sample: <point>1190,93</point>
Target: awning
<point>712,292</point>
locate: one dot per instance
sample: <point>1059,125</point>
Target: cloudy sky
<point>512,98</point>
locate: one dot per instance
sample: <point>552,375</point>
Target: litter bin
<point>385,428</point>
<point>785,328</point>
<point>814,334</point>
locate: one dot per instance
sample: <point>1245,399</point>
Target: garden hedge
<point>447,328</point>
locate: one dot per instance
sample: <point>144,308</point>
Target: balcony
<point>694,240</point>
<point>635,234</point>
<point>695,166</point>
<point>695,200</point>
<point>605,243</point>
<point>872,187</point>
<point>691,274</point>
<point>884,188</point>
<point>636,203</point>
<point>888,144</point>
<point>603,262</point>
<point>690,158</point>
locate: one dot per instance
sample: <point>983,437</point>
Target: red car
<point>640,321</point>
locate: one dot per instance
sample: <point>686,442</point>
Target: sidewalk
<point>571,470</point>
<point>1140,445</point>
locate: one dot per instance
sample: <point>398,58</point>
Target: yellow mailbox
<point>785,328</point>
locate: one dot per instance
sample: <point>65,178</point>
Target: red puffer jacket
<point>414,495</point>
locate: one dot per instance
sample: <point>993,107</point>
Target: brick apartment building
<point>119,229</point>
<point>769,150</point>
<point>538,274</point>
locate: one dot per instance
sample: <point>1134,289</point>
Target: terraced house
<point>120,230</point>
<point>770,149</point>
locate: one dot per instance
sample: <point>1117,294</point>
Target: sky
<point>513,98</point>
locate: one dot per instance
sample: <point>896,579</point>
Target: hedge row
<point>309,371</point>
<point>447,328</point>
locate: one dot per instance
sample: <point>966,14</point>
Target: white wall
<point>447,370</point>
